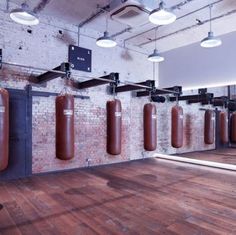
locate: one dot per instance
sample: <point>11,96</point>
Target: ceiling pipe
<point>179,5</point>
<point>7,6</point>
<point>121,32</point>
<point>42,4</point>
<point>100,10</point>
<point>190,27</point>
<point>181,17</point>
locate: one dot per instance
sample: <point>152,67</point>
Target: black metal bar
<point>96,82</point>
<point>91,83</point>
<point>50,75</point>
<point>203,98</point>
<point>125,88</point>
<point>143,93</point>
<point>157,92</point>
<point>185,98</point>
<point>218,101</point>
<point>193,98</point>
<point>45,77</point>
<point>200,100</point>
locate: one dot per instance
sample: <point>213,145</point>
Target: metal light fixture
<point>211,41</point>
<point>155,56</point>
<point>106,41</point>
<point>162,15</point>
<point>24,15</point>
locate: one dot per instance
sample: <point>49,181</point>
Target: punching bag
<point>177,127</point>
<point>233,127</point>
<point>4,128</point>
<point>209,127</point>
<point>114,121</point>
<point>223,121</point>
<point>65,127</point>
<point>150,127</point>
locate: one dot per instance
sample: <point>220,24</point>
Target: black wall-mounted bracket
<point>218,101</point>
<point>135,86</point>
<point>114,83</point>
<point>112,77</point>
<point>202,91</point>
<point>200,98</point>
<point>177,90</point>
<point>64,71</point>
<point>152,93</point>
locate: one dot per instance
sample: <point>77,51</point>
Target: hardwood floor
<point>142,197</point>
<point>227,156</point>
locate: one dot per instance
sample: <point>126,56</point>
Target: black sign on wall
<point>80,58</point>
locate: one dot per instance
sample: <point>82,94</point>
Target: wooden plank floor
<point>142,197</point>
<point>227,156</point>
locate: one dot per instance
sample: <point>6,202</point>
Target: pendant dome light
<point>162,15</point>
<point>106,41</point>
<point>155,57</point>
<point>211,41</point>
<point>24,15</point>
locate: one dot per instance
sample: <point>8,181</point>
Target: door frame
<point>28,156</point>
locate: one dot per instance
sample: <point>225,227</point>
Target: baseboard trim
<point>196,162</point>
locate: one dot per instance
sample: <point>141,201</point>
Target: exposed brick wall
<point>45,48</point>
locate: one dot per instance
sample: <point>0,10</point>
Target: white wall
<point>193,66</point>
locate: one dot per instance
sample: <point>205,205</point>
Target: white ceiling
<point>75,11</point>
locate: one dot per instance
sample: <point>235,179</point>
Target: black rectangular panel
<point>20,125</point>
<point>80,58</point>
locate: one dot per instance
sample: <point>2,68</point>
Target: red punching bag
<point>4,128</point>
<point>114,122</point>
<point>209,127</point>
<point>65,127</point>
<point>233,127</point>
<point>150,127</point>
<point>177,127</point>
<point>223,121</point>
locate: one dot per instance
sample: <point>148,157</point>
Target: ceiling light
<point>155,57</point>
<point>106,41</point>
<point>162,15</point>
<point>24,16</point>
<point>211,41</point>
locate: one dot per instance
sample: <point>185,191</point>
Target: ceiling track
<point>121,32</point>
<point>189,27</point>
<point>100,10</point>
<point>181,17</point>
<point>181,4</point>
